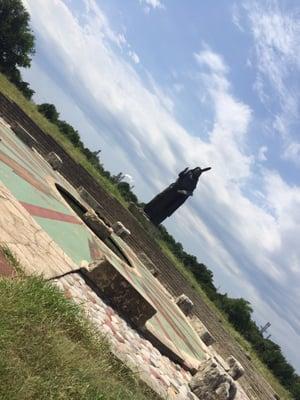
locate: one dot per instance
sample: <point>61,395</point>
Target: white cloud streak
<point>262,153</point>
<point>135,58</point>
<point>276,36</point>
<point>151,4</point>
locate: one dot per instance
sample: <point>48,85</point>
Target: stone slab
<point>54,160</point>
<point>204,334</point>
<point>120,292</point>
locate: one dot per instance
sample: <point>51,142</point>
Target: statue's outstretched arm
<point>205,169</point>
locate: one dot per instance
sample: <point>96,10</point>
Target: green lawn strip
<point>48,350</point>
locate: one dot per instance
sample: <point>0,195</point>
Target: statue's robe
<point>165,203</point>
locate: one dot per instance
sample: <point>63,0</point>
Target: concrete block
<point>98,226</point>
<point>121,230</point>
<point>204,334</point>
<point>148,264</point>
<point>185,304</point>
<point>54,160</point>
<point>236,370</point>
<point>120,292</point>
<point>211,382</point>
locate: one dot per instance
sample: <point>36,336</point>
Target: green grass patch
<point>48,350</point>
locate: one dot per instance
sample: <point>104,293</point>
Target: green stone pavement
<point>32,182</point>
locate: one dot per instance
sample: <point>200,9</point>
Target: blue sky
<point>159,85</point>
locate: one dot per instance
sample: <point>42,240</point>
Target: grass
<point>48,350</point>
<point>30,108</point>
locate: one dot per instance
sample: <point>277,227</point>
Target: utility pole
<point>263,329</point>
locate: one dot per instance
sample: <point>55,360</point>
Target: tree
<point>16,78</point>
<point>16,37</point>
<point>118,178</point>
<point>73,135</point>
<point>126,192</point>
<point>239,312</point>
<point>49,111</point>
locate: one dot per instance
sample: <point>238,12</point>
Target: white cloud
<point>292,152</point>
<point>277,41</point>
<point>212,60</point>
<point>276,35</point>
<point>236,17</point>
<point>128,178</point>
<point>151,4</point>
<point>178,87</point>
<point>100,24</point>
<point>262,153</point>
<point>135,58</point>
<point>248,244</point>
<point>232,118</point>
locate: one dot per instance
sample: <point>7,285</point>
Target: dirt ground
<point>252,382</point>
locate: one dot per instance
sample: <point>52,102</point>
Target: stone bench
<point>148,263</point>
<point>235,370</point>
<point>204,334</point>
<point>54,160</point>
<point>98,226</point>
<point>121,230</point>
<point>120,292</point>
<point>185,304</point>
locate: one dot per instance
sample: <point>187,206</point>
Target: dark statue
<point>165,203</point>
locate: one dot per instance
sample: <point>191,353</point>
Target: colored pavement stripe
<point>50,214</point>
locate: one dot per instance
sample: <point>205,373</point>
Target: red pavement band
<point>50,214</point>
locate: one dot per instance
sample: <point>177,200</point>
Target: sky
<point>159,85</point>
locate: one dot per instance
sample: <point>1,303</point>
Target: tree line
<point>17,46</point>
